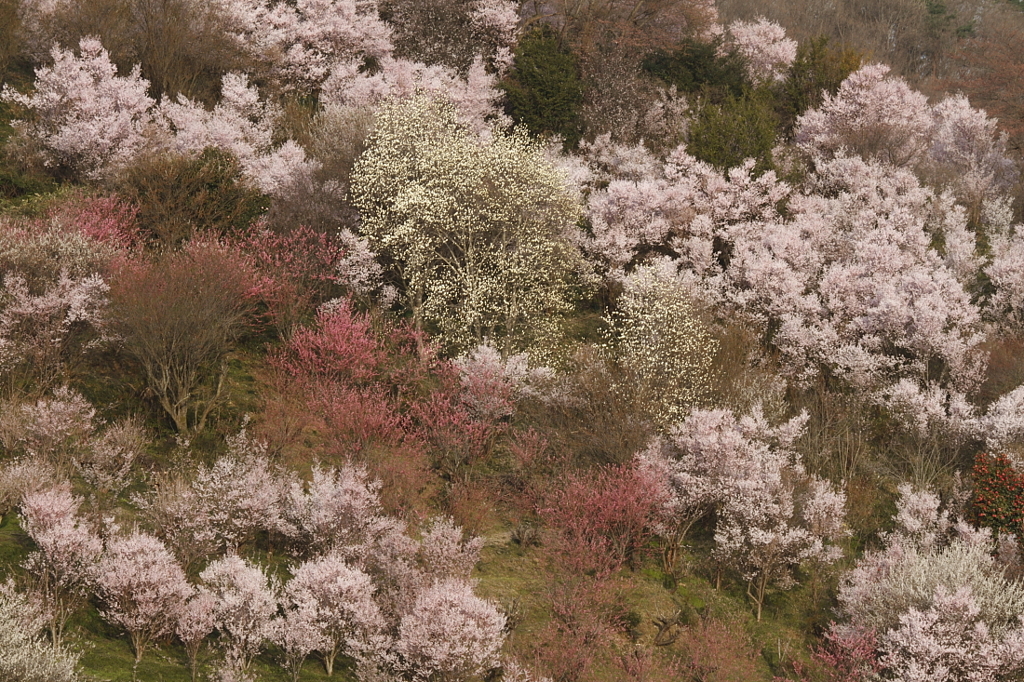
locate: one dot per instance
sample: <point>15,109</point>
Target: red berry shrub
<point>998,494</point>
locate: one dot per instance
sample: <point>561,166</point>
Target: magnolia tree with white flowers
<point>480,232</point>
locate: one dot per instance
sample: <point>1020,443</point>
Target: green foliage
<point>543,90</point>
<point>697,67</point>
<point>736,129</point>
<point>10,37</point>
<point>818,68</point>
<point>179,197</point>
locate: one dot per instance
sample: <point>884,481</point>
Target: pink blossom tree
<point>338,510</point>
<point>247,601</point>
<point>64,562</point>
<point>703,459</point>
<point>55,428</point>
<point>336,602</point>
<point>450,634</point>
<point>445,552</point>
<point>310,37</point>
<point>767,52</point>
<point>950,641</point>
<point>223,506</point>
<point>44,333</point>
<point>197,619</point>
<point>86,117</point>
<point>296,633</point>
<point>873,114</point>
<point>937,596</point>
<point>143,588</point>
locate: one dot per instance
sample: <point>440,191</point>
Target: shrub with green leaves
<point>543,90</point>
<point>697,66</point>
<point>738,128</point>
<point>179,197</point>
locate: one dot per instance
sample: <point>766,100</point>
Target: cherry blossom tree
<point>247,601</point>
<point>338,511</point>
<point>44,333</point>
<point>107,462</point>
<point>54,428</point>
<point>875,115</point>
<point>243,124</point>
<point>445,553</point>
<point>22,477</point>
<point>197,619</point>
<point>223,505</point>
<point>143,588</point>
<point>767,52</point>
<point>950,641</point>
<point>334,601</point>
<point>297,635</point>
<point>64,562</point>
<point>491,385</point>
<point>450,634</point>
<point>86,117</point>
<point>937,596</point>
<point>307,39</point>
<point>703,459</point>
<point>475,95</point>
<point>769,527</point>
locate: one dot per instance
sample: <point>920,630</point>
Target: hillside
<point>476,340</point>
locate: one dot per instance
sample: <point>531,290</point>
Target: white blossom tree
<point>479,231</point>
<point>25,656</point>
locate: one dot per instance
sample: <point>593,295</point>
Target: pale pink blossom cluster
<point>937,597</point>
<point>306,40</point>
<point>243,124</point>
<point>850,279</point>
<point>367,588</point>
<point>42,332</point>
<point>66,554</point>
<point>772,515</point>
<point>142,587</point>
<point>475,95</point>
<point>492,385</point>
<point>881,117</point>
<point>86,117</point>
<point>767,52</point>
